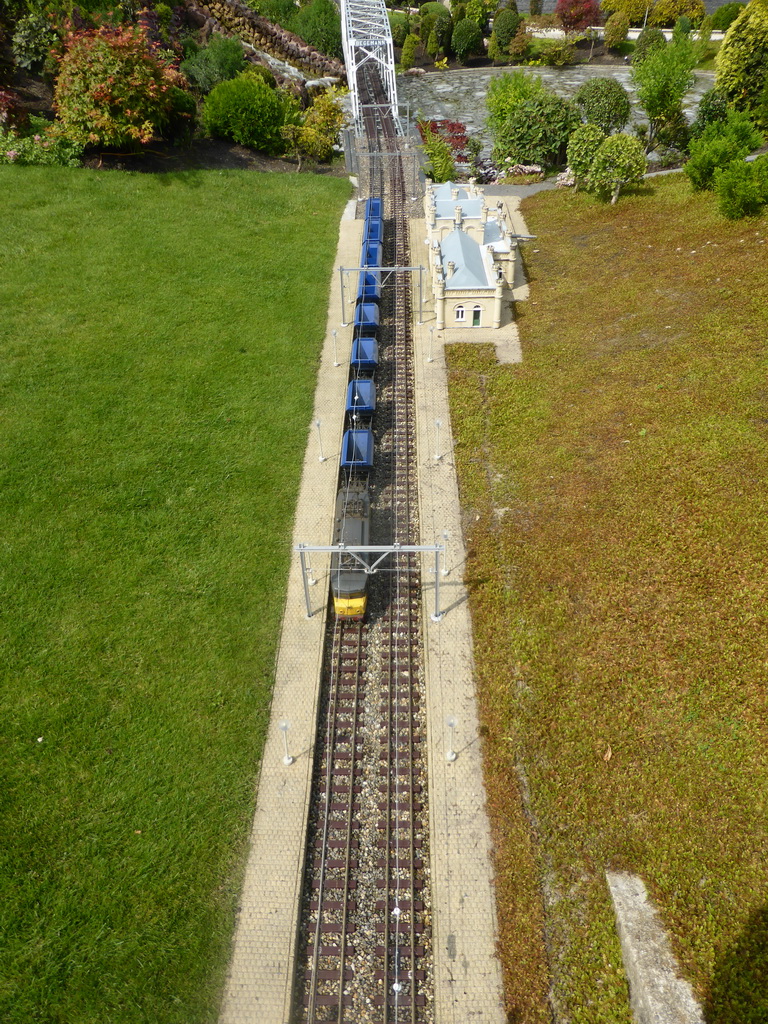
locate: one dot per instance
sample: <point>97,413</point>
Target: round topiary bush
<point>712,108</point>
<point>619,161</point>
<point>649,39</point>
<point>604,102</point>
<point>247,111</point>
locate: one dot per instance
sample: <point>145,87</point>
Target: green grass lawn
<point>616,483</point>
<point>160,337</point>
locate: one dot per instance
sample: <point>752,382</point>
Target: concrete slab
<point>261,973</point>
<point>658,993</point>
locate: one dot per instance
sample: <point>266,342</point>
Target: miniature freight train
<point>349,578</point>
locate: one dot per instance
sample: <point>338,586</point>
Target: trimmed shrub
<point>319,24</point>
<point>582,149</point>
<point>505,25</point>
<point>520,45</point>
<point>466,40</point>
<point>665,13</point>
<point>443,30</point>
<point>577,14</point>
<point>634,9</point>
<point>650,39</point>
<point>247,111</point>
<point>724,16</point>
<point>604,102</point>
<point>506,92</point>
<point>557,52</point>
<point>408,55</point>
<point>738,191</point>
<point>719,145</point>
<point>616,29</point>
<point>182,116</point>
<point>221,60</point>
<point>537,130</point>
<point>712,109</point>
<point>111,90</point>
<point>535,8</point>
<point>742,60</point>
<point>619,161</point>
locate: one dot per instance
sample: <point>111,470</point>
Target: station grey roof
<point>446,203</point>
<point>457,247</point>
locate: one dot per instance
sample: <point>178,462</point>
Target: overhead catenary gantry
<point>367,42</point>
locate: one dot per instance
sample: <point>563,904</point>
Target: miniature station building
<point>472,255</point>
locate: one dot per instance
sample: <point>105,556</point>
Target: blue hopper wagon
<point>366,323</point>
<point>365,354</point>
<point>374,207</point>
<point>371,254</point>
<point>368,287</point>
<point>357,449</point>
<point>374,229</point>
<point>361,398</point>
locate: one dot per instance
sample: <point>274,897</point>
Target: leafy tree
<point>619,161</point>
<point>466,40</point>
<point>577,14</point>
<point>634,9</point>
<point>718,145</point>
<point>662,79</point>
<point>724,16</point>
<point>616,29</point>
<point>604,102</point>
<point>247,111</point>
<point>398,23</point>
<point>582,149</point>
<point>742,61</point>
<point>112,90</point>
<point>666,12</point>
<point>537,130</point>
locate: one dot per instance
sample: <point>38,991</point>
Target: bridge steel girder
<point>367,39</point>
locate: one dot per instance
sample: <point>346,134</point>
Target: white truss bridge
<point>367,42</point>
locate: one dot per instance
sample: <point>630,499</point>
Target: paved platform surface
<point>468,983</point>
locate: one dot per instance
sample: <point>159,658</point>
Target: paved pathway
<point>468,984</point>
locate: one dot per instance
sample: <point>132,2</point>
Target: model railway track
<point>365,932</point>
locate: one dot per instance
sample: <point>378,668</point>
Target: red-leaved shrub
<point>578,14</point>
<point>112,89</point>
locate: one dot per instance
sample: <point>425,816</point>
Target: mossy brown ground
<point>614,487</point>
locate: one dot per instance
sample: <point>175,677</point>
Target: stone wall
<point>235,18</point>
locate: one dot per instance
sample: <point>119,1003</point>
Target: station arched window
<point>459,312</point>
<point>477,313</point>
